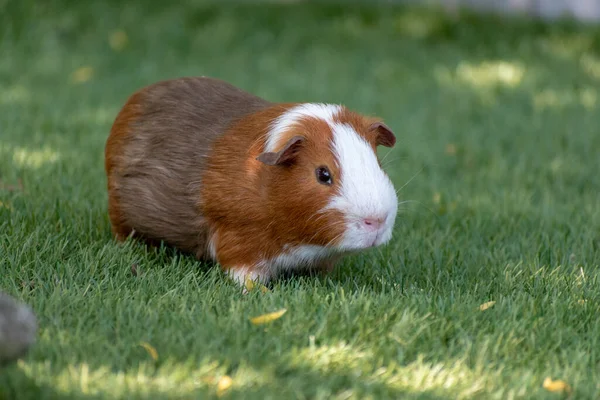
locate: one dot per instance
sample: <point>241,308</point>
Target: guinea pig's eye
<point>323,176</point>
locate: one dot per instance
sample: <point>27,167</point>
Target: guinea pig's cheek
<point>335,227</point>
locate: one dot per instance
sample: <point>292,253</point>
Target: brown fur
<point>157,151</point>
<point>182,162</point>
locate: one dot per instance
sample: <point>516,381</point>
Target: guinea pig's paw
<point>328,266</point>
<point>247,277</point>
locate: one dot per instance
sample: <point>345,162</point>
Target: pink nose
<point>373,224</point>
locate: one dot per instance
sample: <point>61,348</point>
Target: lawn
<point>497,161</point>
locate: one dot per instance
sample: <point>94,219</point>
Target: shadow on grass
<point>314,371</point>
<point>17,384</point>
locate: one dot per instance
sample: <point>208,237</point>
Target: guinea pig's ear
<point>287,153</point>
<point>385,136</point>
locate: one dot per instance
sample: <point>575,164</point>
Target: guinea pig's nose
<point>373,223</point>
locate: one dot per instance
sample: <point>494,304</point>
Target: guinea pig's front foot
<point>327,266</point>
<point>248,277</point>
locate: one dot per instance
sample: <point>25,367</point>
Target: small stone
<point>18,329</point>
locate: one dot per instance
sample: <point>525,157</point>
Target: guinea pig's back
<point>156,154</point>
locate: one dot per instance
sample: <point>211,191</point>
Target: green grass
<point>497,122</point>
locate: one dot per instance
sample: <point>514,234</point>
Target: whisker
<point>386,163</point>
<point>419,203</point>
<point>332,226</point>
<point>318,214</point>
<point>386,156</point>
<point>410,180</point>
<point>339,235</point>
<point>325,228</point>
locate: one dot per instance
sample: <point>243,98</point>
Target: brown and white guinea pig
<point>258,187</point>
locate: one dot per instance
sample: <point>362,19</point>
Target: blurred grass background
<point>497,125</point>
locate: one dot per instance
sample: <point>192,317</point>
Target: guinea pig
<point>257,187</point>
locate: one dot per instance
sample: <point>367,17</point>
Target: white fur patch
<point>304,255</point>
<point>326,112</point>
<point>292,257</point>
<point>240,274</point>
<point>366,191</point>
<point>212,247</point>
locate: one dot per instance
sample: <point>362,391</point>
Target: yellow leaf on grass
<point>224,384</point>
<point>581,302</point>
<point>556,386</point>
<point>487,305</point>
<point>82,74</point>
<point>251,285</point>
<point>151,350</point>
<point>118,40</point>
<point>266,318</point>
<point>5,205</point>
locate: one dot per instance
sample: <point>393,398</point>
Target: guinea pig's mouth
<point>379,239</point>
<point>358,237</point>
<point>376,241</point>
<point>372,242</point>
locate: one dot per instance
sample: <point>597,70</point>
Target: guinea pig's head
<point>324,181</point>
